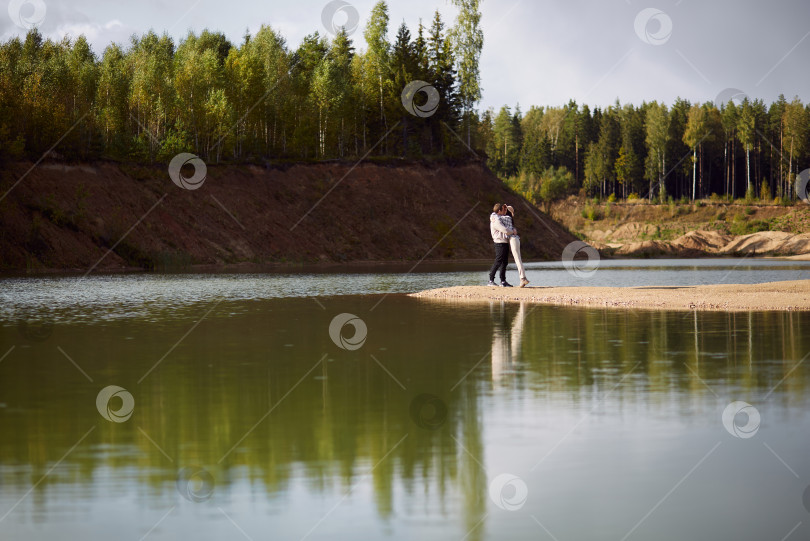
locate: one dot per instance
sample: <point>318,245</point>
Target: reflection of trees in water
<point>335,427</point>
<point>339,428</point>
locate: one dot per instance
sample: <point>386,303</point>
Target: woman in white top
<point>514,243</point>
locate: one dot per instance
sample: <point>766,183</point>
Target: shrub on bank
<point>591,213</point>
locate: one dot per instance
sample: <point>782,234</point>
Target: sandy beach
<point>780,296</point>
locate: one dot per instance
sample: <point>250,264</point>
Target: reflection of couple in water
<point>506,340</point>
<point>504,234</point>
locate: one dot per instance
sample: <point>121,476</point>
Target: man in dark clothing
<point>500,236</point>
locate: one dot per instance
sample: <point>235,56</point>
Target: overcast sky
<point>536,52</point>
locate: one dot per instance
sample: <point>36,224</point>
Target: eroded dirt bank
<point>63,217</point>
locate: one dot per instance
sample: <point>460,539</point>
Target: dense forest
<point>265,101</point>
<point>689,150</point>
<point>256,101</point>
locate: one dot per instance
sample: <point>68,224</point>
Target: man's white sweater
<point>500,233</point>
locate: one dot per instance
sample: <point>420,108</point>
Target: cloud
<point>535,52</point>
<point>98,35</point>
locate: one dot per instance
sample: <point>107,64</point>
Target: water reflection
<point>303,438</point>
<point>48,300</point>
<point>506,339</point>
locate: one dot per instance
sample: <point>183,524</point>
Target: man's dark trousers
<point>501,260</point>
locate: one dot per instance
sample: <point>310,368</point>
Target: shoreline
<point>788,296</point>
<point>360,266</point>
<point>290,267</point>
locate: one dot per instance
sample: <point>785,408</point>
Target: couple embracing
<point>504,234</point>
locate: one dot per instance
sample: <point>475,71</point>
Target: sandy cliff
<point>68,217</point>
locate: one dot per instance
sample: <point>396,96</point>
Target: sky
<point>536,52</point>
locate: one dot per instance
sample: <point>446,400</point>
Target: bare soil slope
<point>709,228</point>
<point>68,217</point>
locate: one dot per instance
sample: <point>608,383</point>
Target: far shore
<point>772,296</point>
<point>360,266</point>
<point>285,267</point>
<point>320,267</point>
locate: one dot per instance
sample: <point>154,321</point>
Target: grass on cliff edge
<point>647,221</point>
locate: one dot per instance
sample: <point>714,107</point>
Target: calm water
<point>237,415</point>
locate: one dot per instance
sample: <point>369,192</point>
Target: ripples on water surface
<point>586,423</point>
<point>108,297</point>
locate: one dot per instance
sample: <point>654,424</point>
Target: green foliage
<point>332,98</point>
<point>673,207</point>
<point>555,183</point>
<point>262,99</point>
<point>659,234</point>
<point>592,213</point>
<point>765,191</point>
<point>10,149</point>
<point>552,184</point>
<point>657,137</point>
<point>504,149</point>
<point>467,38</point>
<point>175,142</point>
<point>741,225</point>
<point>662,195</point>
<point>750,194</point>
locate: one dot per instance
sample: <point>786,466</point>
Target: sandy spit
<point>780,296</point>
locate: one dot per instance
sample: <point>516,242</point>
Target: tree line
<point>263,100</point>
<point>736,149</point>
<point>257,100</point>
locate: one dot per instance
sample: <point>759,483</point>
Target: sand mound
<point>647,248</point>
<point>769,242</point>
<point>712,243</point>
<point>628,231</point>
<point>707,241</point>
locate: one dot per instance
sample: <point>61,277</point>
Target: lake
<point>330,405</point>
